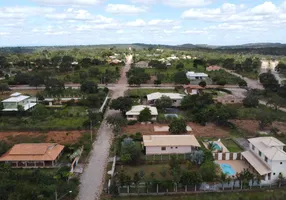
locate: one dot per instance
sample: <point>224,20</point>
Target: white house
<point>196,76</point>
<point>170,144</point>
<point>176,98</point>
<point>134,113</point>
<point>11,104</point>
<point>266,157</point>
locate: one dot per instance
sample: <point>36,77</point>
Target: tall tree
<point>145,115</point>
<point>178,126</point>
<point>164,102</point>
<point>121,103</point>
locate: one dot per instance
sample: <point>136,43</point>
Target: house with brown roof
<point>170,144</point>
<point>33,155</point>
<point>213,68</point>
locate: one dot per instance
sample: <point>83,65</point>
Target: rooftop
<point>170,140</point>
<point>15,97</point>
<point>257,163</point>
<point>196,74</point>
<point>135,110</point>
<point>271,147</point>
<point>33,152</point>
<point>158,95</point>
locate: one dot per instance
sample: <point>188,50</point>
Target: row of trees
<point>248,65</point>
<point>137,76</point>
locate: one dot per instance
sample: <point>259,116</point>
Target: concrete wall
<point>135,117</point>
<point>169,150</point>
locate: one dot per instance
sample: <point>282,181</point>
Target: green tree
<point>92,101</point>
<point>164,102</point>
<point>265,120</point>
<point>180,65</point>
<point>242,83</point>
<point>54,85</point>
<point>269,81</point>
<point>250,101</point>
<point>4,87</point>
<point>129,152</point>
<point>222,179</point>
<point>20,108</point>
<point>40,112</point>
<point>181,78</point>
<point>116,121</point>
<point>157,82</point>
<point>197,157</point>
<point>145,115</point>
<point>121,103</point>
<point>178,126</point>
<point>208,171</point>
<point>89,87</point>
<point>202,84</point>
<point>4,147</point>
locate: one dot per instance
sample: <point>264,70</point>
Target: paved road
<point>253,84</point>
<point>92,178</point>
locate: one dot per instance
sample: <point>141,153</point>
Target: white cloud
<point>124,9</point>
<point>283,5</point>
<point>138,22</point>
<point>156,22</point>
<point>177,27</point>
<point>187,3</point>
<point>57,33</point>
<point>4,33</point>
<point>120,31</point>
<point>23,12</point>
<point>70,2</point>
<point>194,31</point>
<point>145,1</point>
<point>264,9</point>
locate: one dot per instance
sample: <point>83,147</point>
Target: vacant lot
<point>61,137</point>
<point>210,130</point>
<point>252,126</point>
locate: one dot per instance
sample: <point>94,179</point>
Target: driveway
<point>91,181</point>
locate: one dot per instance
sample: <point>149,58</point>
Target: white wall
<point>135,117</point>
<point>169,150</point>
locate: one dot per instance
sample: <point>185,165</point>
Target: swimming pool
<point>216,146</point>
<point>227,169</point>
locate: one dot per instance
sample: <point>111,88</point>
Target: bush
<point>132,122</point>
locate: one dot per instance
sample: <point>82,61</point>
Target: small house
<point>34,155</point>
<point>142,64</point>
<point>176,98</point>
<point>213,68</point>
<point>170,144</point>
<point>134,113</point>
<point>17,99</point>
<point>196,76</point>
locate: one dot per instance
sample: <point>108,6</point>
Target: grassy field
<point>69,118</point>
<point>257,195</point>
<point>231,146</point>
<point>254,113</point>
<point>162,171</point>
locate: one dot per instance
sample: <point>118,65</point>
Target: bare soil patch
<point>61,137</point>
<point>251,126</point>
<point>210,130</point>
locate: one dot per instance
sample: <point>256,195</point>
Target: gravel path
<point>92,178</point>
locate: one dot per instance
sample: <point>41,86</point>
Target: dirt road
<point>92,177</point>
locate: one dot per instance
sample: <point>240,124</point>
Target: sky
<point>173,22</point>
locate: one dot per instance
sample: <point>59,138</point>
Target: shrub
<point>132,122</point>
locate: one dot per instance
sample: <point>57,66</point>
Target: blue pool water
<point>216,146</point>
<point>227,169</point>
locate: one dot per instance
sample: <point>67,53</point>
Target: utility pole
<point>91,131</point>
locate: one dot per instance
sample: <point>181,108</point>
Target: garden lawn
<point>230,145</point>
<point>148,169</point>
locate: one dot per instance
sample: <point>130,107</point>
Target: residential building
<point>170,144</point>
<point>176,98</point>
<point>193,89</point>
<point>228,99</point>
<point>213,68</point>
<point>266,157</point>
<point>134,113</point>
<point>142,64</point>
<point>16,99</point>
<point>35,155</point>
<point>196,76</point>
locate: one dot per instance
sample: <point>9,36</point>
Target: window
<point>273,174</point>
<point>253,147</point>
<point>259,153</point>
<point>171,147</point>
<point>266,159</point>
<point>176,147</point>
<point>163,148</point>
<point>281,163</point>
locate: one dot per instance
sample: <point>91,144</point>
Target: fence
<point>227,156</point>
<point>166,157</point>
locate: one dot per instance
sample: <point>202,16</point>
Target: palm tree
<point>211,146</point>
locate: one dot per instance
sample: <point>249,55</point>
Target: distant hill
<point>254,45</point>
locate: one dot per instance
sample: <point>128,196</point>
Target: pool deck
<point>224,149</point>
<point>237,165</point>
<point>166,128</point>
